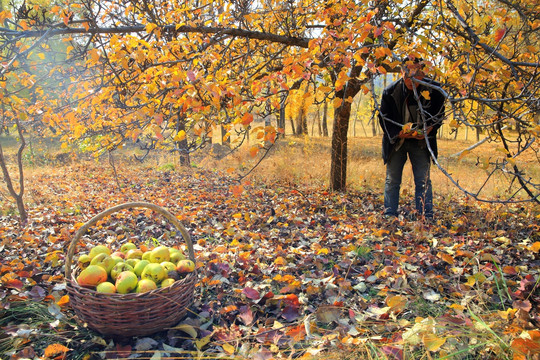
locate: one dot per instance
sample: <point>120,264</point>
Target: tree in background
<point>162,72</point>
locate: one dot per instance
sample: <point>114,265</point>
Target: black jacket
<point>392,108</point>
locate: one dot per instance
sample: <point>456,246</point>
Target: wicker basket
<point>133,314</point>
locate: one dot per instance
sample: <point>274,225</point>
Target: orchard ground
<point>287,269</point>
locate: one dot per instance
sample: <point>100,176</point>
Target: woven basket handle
<point>95,219</point>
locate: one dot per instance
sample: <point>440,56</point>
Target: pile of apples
<point>130,269</point>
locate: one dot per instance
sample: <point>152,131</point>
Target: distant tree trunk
<point>325,119</point>
<point>319,124</point>
<point>301,122</point>
<point>281,119</point>
<point>373,121</point>
<point>18,196</point>
<point>292,126</point>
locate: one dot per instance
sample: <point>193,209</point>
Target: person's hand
<point>408,133</point>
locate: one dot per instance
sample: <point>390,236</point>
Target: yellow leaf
<point>432,342</point>
<point>202,342</point>
<point>280,261</point>
<point>229,349</point>
<point>463,154</point>
<point>337,102</point>
<point>426,94</point>
<point>188,329</point>
<point>180,136</point>
<point>397,302</point>
<point>535,247</point>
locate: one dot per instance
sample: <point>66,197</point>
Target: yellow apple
<point>126,281</point>
<point>145,285</point>
<point>98,249</point>
<point>134,254</point>
<point>106,287</point>
<point>119,254</point>
<point>185,266</point>
<point>127,246</point>
<point>92,276</point>
<point>104,261</point>
<point>146,255</point>
<point>84,261</point>
<point>160,254</point>
<point>176,255</point>
<point>167,282</point>
<point>154,272</point>
<point>168,266</point>
<point>118,268</point>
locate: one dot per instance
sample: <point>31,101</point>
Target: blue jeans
<point>420,159</point>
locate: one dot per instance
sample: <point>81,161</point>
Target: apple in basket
<point>185,266</point>
<point>127,246</point>
<point>98,249</point>
<point>168,266</point>
<point>120,267</point>
<point>145,285</point>
<point>126,281</point>
<point>134,254</point>
<point>154,272</point>
<point>160,254</point>
<point>103,260</point>
<point>139,267</point>
<point>176,255</point>
<point>167,282</point>
<point>106,287</point>
<point>92,276</point>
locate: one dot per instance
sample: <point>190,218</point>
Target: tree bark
<point>18,196</point>
<point>338,169</point>
<point>325,119</point>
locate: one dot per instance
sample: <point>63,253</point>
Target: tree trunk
<point>338,168</point>
<point>281,119</point>
<point>325,119</point>
<point>7,178</point>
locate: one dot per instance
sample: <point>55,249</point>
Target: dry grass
<point>306,161</point>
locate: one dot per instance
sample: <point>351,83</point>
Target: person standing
<point>409,113</point>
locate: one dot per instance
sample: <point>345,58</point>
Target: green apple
<point>127,246</point>
<point>168,266</point>
<point>176,255</point>
<point>106,287</point>
<point>117,259</point>
<point>139,267</point>
<point>132,262</point>
<point>118,268</point>
<point>104,261</point>
<point>167,282</point>
<point>126,281</point>
<point>145,285</point>
<point>98,249</point>
<point>160,254</point>
<point>154,272</point>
